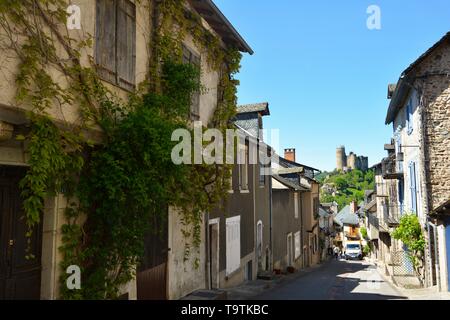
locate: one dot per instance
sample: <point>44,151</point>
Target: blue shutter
<point>413,187</point>
<point>409,115</point>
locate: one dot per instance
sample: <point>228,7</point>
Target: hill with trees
<point>344,187</point>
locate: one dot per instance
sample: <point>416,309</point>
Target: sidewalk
<point>430,293</point>
<point>250,289</point>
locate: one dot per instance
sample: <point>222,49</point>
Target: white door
<point>289,250</point>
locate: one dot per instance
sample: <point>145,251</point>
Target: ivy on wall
<point>113,187</point>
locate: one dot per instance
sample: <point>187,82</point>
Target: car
<point>353,251</point>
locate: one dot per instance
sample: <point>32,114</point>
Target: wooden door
<point>152,272</point>
<point>447,242</point>
<point>20,278</point>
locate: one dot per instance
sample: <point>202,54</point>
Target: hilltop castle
<point>352,161</point>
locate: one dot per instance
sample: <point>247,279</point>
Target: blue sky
<point>324,73</point>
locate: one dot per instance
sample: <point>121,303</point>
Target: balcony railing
<point>391,168</point>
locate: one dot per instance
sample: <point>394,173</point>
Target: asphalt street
<point>337,280</point>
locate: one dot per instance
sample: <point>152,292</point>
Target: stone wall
<point>435,87</point>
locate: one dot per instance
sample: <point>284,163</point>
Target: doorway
<point>447,243</point>
<point>214,254</point>
<point>289,246</point>
<point>259,244</point>
<point>20,278</point>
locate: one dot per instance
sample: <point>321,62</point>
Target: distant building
<point>350,162</point>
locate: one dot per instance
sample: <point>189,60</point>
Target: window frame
<point>191,57</point>
<point>243,167</point>
<point>113,73</point>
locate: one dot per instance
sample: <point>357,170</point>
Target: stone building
<point>245,214</point>
<point>295,198</point>
<point>164,273</point>
<point>351,161</point>
<point>419,111</point>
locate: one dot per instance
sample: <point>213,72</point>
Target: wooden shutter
<point>413,187</point>
<point>105,39</point>
<point>195,60</point>
<point>126,44</point>
<point>233,244</point>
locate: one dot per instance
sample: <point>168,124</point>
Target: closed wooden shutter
<point>105,40</point>
<point>115,42</point>
<point>233,244</point>
<point>413,186</point>
<point>195,60</point>
<point>126,44</point>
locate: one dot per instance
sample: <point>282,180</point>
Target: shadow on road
<point>336,280</point>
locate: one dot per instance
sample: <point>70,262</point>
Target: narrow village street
<point>336,280</point>
<point>220,150</point>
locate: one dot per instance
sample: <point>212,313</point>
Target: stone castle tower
<point>352,161</point>
<point>341,158</point>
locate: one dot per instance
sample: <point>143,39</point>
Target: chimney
<point>353,207</point>
<point>289,154</point>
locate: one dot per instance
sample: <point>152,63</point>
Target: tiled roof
<point>323,212</point>
<point>288,183</point>
<point>254,107</point>
<point>215,18</point>
<point>346,217</point>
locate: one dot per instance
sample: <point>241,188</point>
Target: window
<point>243,166</point>
<point>413,186</point>
<point>316,207</point>
<point>409,115</point>
<point>115,42</point>
<point>233,244</point>
<point>190,57</point>
<point>262,175</point>
<point>296,205</point>
<point>297,244</point>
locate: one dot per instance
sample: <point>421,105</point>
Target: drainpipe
<point>436,264</point>
<point>271,223</point>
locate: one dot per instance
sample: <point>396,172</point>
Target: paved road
<point>336,280</point>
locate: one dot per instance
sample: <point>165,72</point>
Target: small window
<point>262,175</point>
<point>409,116</point>
<point>316,207</point>
<point>115,42</point>
<point>243,166</point>
<point>190,57</point>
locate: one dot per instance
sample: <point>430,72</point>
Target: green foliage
<point>410,233</point>
<point>367,250</point>
<point>347,186</point>
<point>114,189</point>
<point>363,231</point>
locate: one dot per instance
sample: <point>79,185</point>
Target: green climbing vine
<point>410,233</point>
<point>114,187</point>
